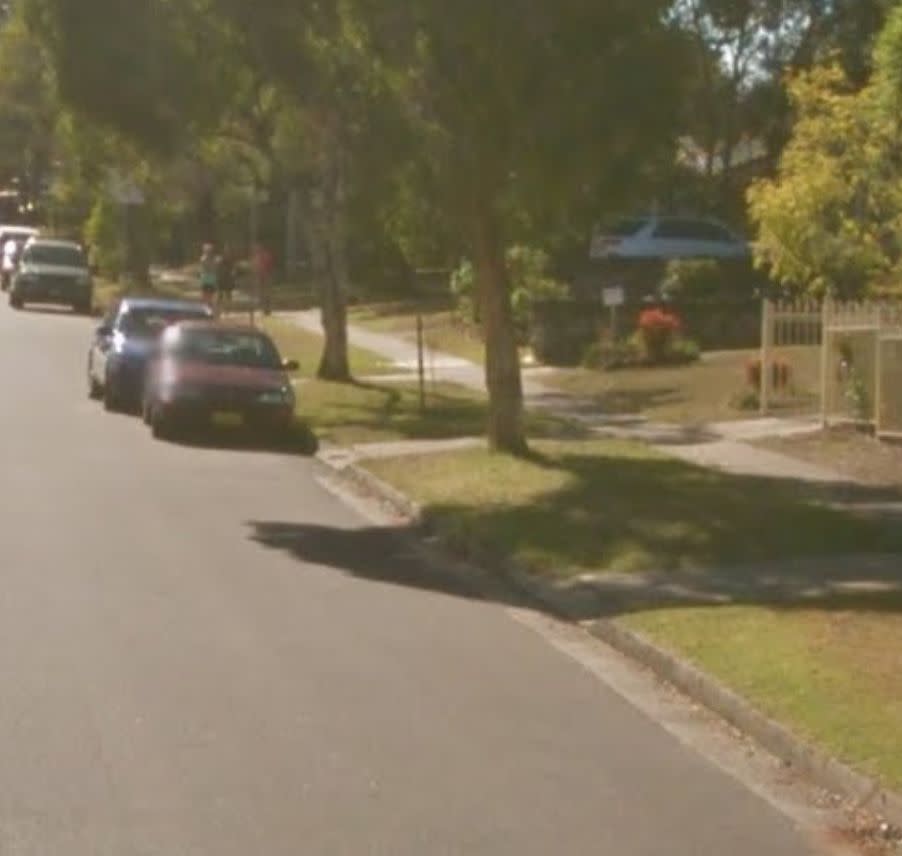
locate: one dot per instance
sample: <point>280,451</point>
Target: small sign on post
<point>613,298</point>
<point>430,283</point>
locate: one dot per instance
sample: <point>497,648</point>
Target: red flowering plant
<point>780,374</point>
<point>658,329</point>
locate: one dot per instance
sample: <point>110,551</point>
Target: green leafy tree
<point>523,109</point>
<point>27,109</point>
<point>831,221</point>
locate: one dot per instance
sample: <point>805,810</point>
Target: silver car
<point>667,238</point>
<point>53,272</point>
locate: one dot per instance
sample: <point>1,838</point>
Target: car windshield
<point>46,254</point>
<point>149,323</point>
<point>228,348</point>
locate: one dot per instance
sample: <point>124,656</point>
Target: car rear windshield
<point>623,228</point>
<point>150,323</point>
<point>228,348</point>
<point>44,254</point>
<point>18,237</point>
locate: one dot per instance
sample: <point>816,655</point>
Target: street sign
<point>613,296</point>
<point>124,191</point>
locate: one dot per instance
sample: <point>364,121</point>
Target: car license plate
<point>227,419</point>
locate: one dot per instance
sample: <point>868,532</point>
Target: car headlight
<point>285,395</point>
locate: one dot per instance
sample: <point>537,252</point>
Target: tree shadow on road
<point>389,555</point>
<point>669,534</point>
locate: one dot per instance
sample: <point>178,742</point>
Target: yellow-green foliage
<point>831,221</point>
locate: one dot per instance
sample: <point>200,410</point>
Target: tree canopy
<point>831,220</point>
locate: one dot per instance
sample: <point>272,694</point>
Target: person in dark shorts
<point>208,273</point>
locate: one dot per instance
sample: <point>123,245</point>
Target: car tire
<point>95,390</point>
<point>15,301</point>
<point>160,424</point>
<point>146,412</point>
<point>111,400</point>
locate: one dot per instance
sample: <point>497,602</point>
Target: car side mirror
<point>291,365</point>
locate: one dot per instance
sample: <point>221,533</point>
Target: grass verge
<point>833,674</point>
<point>107,292</point>
<point>599,506</point>
<point>306,347</point>
<point>376,413</point>
<point>821,657</point>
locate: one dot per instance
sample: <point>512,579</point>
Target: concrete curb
<point>570,601</point>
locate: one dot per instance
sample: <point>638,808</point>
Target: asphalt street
<point>203,651</point>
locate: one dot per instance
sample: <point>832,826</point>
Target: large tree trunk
<point>329,252</point>
<point>506,430</point>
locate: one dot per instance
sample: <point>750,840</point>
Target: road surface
<point>205,652</point>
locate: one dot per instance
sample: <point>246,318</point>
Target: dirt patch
<point>847,451</point>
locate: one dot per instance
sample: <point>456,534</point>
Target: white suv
<point>665,238</point>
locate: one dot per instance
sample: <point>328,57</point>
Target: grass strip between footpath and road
<point>298,344</point>
<point>372,412</point>
<point>826,660</point>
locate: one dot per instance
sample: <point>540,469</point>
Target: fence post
<point>826,321</point>
<point>421,363</point>
<point>767,343</point>
<point>878,380</point>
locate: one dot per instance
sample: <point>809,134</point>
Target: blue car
<point>124,343</point>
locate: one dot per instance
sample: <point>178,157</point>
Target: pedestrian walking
<point>208,274</point>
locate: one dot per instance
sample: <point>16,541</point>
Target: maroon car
<point>209,374</point>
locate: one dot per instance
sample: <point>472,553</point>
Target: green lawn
<point>371,413</point>
<point>826,662</point>
<point>833,674</point>
<point>704,392</point>
<point>107,292</point>
<point>443,328</point>
<point>306,347</point>
<point>609,506</point>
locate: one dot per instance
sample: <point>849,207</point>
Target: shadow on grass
<point>362,410</point>
<point>671,535</point>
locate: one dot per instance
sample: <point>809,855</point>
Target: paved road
<point>204,652</point>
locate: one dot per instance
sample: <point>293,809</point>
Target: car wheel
<point>95,390</point>
<point>15,301</point>
<point>111,400</point>
<point>146,411</point>
<point>160,424</point>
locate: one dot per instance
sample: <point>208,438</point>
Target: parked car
<point>53,272</point>
<point>215,375</point>
<point>124,343</point>
<point>666,238</point>
<point>12,240</point>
